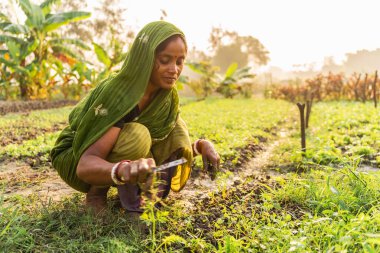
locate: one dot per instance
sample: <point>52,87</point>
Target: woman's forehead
<point>176,46</point>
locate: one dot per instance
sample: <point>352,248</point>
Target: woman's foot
<point>96,199</point>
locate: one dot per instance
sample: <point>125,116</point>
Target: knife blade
<point>170,164</point>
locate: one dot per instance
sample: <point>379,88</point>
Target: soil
<point>21,178</point>
<point>26,106</point>
<point>19,134</point>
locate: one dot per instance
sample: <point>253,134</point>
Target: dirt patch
<point>20,133</point>
<point>21,179</point>
<point>26,106</point>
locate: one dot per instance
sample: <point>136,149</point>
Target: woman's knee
<point>134,142</point>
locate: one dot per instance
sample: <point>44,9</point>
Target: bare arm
<point>95,170</point>
<point>92,167</point>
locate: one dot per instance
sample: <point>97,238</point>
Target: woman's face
<point>169,64</point>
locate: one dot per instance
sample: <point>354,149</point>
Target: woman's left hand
<point>211,159</point>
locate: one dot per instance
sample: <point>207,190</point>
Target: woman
<point>129,124</point>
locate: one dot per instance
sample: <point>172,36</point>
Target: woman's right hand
<point>138,171</point>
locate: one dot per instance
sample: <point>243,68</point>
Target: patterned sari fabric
<point>115,97</point>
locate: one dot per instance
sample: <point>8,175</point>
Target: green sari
<point>115,97</point>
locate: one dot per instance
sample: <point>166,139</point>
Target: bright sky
<point>294,31</point>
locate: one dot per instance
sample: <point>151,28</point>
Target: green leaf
<point>196,67</point>
<point>4,18</point>
<point>102,55</point>
<point>6,38</point>
<point>67,51</point>
<point>14,50</point>
<point>75,42</point>
<point>173,239</point>
<point>46,5</point>
<point>14,66</point>
<point>17,29</point>
<point>60,19</point>
<point>231,69</point>
<point>4,24</point>
<point>34,14</point>
<point>26,7</point>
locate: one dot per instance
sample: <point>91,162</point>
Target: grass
<point>330,205</point>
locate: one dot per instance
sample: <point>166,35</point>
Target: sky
<point>295,32</point>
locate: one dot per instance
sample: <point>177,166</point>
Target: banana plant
<point>109,61</point>
<point>29,45</point>
<point>207,83</point>
<point>233,81</point>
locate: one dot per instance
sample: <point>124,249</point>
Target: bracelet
<point>195,147</point>
<point>114,174</point>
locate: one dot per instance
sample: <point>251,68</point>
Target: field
<point>267,197</point>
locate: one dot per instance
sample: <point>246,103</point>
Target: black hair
<point>166,42</point>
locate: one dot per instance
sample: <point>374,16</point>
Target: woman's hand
<point>210,158</point>
<point>137,171</point>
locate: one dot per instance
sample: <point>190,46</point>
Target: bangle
<point>195,147</point>
<point>114,174</point>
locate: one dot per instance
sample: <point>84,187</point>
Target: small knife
<point>170,164</point>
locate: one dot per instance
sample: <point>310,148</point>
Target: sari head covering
<point>117,95</point>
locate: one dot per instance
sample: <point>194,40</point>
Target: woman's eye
<point>180,61</point>
<point>164,61</point>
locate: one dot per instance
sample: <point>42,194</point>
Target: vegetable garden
<point>267,197</point>
<point>278,189</point>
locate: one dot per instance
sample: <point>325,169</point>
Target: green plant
<point>205,85</point>
<point>234,81</point>
<point>32,48</point>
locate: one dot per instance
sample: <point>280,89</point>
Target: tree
<point>206,84</point>
<point>31,49</point>
<point>229,46</point>
<point>112,37</point>
<point>79,30</point>
<point>234,81</point>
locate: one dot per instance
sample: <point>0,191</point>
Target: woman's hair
<point>166,42</point>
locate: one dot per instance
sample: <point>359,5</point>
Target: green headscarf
<point>120,93</point>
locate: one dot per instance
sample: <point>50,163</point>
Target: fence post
<point>301,108</point>
<point>308,111</point>
<point>374,90</point>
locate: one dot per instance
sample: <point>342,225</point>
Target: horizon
<point>299,35</point>
<point>343,26</point>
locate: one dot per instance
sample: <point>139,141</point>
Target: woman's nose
<point>173,68</point>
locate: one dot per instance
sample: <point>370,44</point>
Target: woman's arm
<point>92,167</point>
<point>209,155</point>
<point>95,170</point>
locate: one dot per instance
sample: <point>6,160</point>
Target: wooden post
<point>374,90</point>
<point>356,88</point>
<point>301,107</point>
<point>364,90</point>
<point>308,111</point>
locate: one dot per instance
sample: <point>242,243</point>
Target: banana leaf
<point>16,29</point>
<point>231,69</point>
<point>75,42</point>
<point>102,55</point>
<point>46,5</point>
<point>3,17</point>
<point>6,38</point>
<point>54,21</point>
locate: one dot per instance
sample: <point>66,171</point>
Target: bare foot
<point>96,200</point>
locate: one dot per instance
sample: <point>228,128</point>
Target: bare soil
<point>20,178</point>
<point>26,106</point>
